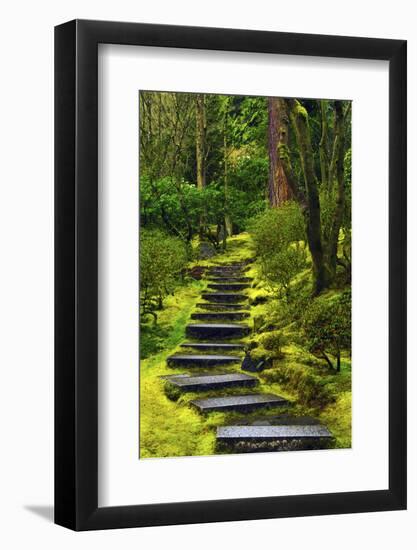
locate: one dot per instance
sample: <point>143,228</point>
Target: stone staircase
<point>215,343</point>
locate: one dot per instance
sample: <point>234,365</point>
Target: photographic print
<point>245,274</point>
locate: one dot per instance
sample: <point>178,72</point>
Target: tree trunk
<point>338,175</point>
<point>338,362</point>
<point>299,120</point>
<point>323,147</point>
<point>228,226</point>
<point>327,359</point>
<point>200,143</point>
<point>200,140</point>
<point>279,190</point>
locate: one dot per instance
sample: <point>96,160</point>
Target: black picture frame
<point>76,272</point>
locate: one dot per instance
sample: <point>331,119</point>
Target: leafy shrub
<point>274,341</point>
<point>276,228</point>
<point>312,390</point>
<point>249,174</point>
<point>180,207</point>
<point>152,340</point>
<point>176,205</point>
<point>172,392</point>
<point>327,326</point>
<point>251,345</point>
<point>258,322</point>
<point>281,267</point>
<point>279,243</point>
<point>162,257</point>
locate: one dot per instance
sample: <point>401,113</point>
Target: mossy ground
<point>170,427</point>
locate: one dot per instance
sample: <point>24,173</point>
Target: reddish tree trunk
<point>278,189</point>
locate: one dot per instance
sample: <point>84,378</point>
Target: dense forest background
<point>214,165</point>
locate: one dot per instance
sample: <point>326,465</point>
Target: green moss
<point>284,152</point>
<point>299,110</point>
<point>338,418</point>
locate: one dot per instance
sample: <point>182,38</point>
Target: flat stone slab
<point>229,287</point>
<point>219,306</point>
<point>211,381</point>
<point>230,266</point>
<point>231,279</point>
<point>223,297</point>
<point>216,331</point>
<point>188,360</point>
<point>212,346</point>
<point>218,315</point>
<point>239,402</point>
<point>228,271</point>
<point>264,433</point>
<point>279,419</point>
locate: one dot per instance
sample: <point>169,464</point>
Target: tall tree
<point>323,146</point>
<point>200,140</point>
<point>337,176</point>
<point>322,245</point>
<point>200,144</point>
<point>279,190</point>
<point>228,226</point>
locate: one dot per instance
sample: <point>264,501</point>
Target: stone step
<point>189,360</point>
<point>218,306</point>
<point>216,331</point>
<point>206,346</point>
<point>231,287</point>
<point>239,402</point>
<point>234,265</point>
<point>223,297</point>
<point>231,279</point>
<point>265,433</point>
<point>228,269</point>
<point>211,381</point>
<point>219,315</point>
<point>261,439</point>
<point>217,274</point>
<point>277,419</point>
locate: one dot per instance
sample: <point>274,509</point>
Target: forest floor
<point>170,427</point>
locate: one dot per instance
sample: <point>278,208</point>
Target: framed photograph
<point>230,253</point>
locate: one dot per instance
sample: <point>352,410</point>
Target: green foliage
<point>175,206</point>
<point>279,242</point>
<point>312,388</point>
<point>327,326</point>
<point>236,163</point>
<point>276,228</point>
<point>248,121</point>
<point>152,339</point>
<point>250,174</point>
<point>179,206</point>
<point>172,392</point>
<point>273,342</point>
<point>165,119</point>
<point>281,267</point>
<point>281,313</point>
<point>162,257</point>
<point>247,181</point>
